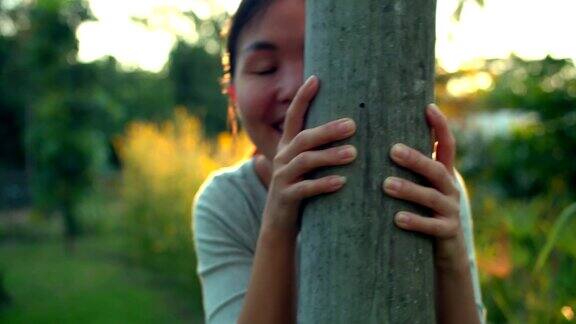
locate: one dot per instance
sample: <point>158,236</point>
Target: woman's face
<point>269,71</point>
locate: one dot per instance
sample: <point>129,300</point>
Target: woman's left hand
<point>442,197</point>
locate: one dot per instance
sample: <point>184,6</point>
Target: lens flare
<point>567,312</point>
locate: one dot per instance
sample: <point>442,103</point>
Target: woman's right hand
<point>298,154</point>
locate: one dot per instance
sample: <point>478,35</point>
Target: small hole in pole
<point>361,105</point>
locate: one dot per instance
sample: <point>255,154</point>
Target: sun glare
<point>138,45</point>
<point>133,45</point>
<point>567,312</point>
<point>469,84</point>
<point>530,29</point>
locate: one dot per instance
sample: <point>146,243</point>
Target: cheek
<point>253,103</point>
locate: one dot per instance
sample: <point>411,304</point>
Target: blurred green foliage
<point>62,115</point>
<point>534,158</point>
<point>163,167</point>
<point>523,193</point>
<point>59,118</point>
<point>188,67</point>
<point>526,255</point>
<point>65,147</point>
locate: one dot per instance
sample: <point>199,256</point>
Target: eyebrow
<point>260,46</point>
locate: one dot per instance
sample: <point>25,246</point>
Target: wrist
<point>453,266</point>
<point>451,255</point>
<point>272,235</point>
<point>280,218</point>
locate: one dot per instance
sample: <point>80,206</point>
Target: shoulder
<point>225,228</point>
<point>218,185</point>
<point>467,228</point>
<point>465,209</point>
<point>460,183</point>
<point>227,206</point>
<point>228,188</point>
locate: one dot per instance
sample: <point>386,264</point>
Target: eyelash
<point>267,71</point>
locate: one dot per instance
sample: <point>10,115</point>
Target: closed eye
<point>266,71</point>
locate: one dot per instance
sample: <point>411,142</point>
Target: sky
<point>530,29</point>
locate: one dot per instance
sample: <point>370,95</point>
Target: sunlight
<point>158,157</point>
<point>132,44</point>
<point>567,312</point>
<point>469,84</point>
<point>136,45</point>
<point>530,29</point>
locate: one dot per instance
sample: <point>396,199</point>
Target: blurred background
<point>112,115</point>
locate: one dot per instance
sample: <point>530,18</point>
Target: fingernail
<point>434,108</point>
<point>402,218</point>
<point>347,152</point>
<point>400,151</point>
<point>310,80</point>
<point>392,184</point>
<point>337,181</point>
<point>346,125</point>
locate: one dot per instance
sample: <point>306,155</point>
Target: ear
<point>232,118</point>
<point>231,92</point>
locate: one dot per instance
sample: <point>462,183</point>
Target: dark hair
<point>247,10</point>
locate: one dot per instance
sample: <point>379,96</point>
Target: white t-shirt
<point>227,215</point>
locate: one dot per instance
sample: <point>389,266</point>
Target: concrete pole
<point>375,60</point>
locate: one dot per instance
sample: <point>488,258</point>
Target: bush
<point>162,168</point>
<point>526,256</point>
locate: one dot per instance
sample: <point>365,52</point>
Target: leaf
<point>559,225</point>
<point>458,11</point>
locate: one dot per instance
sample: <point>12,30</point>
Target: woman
<point>246,218</point>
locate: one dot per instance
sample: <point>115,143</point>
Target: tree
<point>4,296</point>
<point>195,76</point>
<point>64,113</point>
<point>544,92</point>
<point>376,63</point>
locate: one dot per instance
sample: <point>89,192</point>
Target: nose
<point>290,80</point>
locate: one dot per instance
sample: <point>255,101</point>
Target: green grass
<point>98,283</point>
<point>90,286</point>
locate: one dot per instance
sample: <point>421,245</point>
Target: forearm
<point>455,292</point>
<point>270,295</point>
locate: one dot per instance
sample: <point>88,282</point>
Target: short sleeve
<point>224,254</point>
<point>467,228</point>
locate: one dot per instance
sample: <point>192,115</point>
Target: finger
<point>424,196</point>
<point>438,227</point>
<point>434,171</point>
<point>311,138</point>
<point>310,188</point>
<point>294,121</point>
<point>433,140</point>
<point>310,160</point>
<point>446,144</point>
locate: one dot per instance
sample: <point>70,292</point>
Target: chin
<point>270,151</point>
<point>268,143</point>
